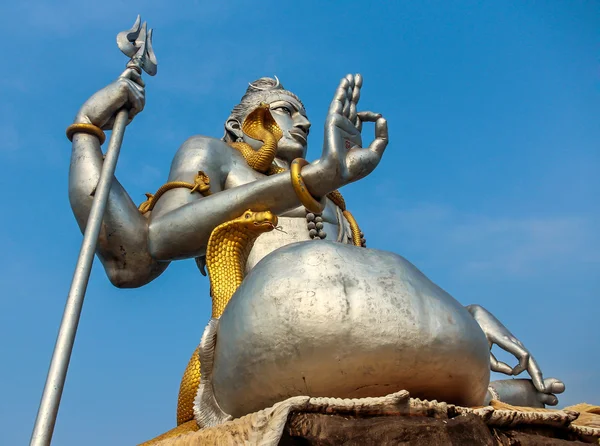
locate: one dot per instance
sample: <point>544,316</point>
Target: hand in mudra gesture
<point>343,154</point>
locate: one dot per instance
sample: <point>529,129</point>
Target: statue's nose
<point>302,123</point>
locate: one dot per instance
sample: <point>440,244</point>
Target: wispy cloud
<point>510,245</point>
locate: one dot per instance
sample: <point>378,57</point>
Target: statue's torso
<point>292,224</point>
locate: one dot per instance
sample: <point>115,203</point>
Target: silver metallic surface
<point>522,392</point>
<point>541,390</point>
<point>327,319</point>
<point>137,44</point>
<point>55,380</point>
<point>206,409</point>
<point>181,223</point>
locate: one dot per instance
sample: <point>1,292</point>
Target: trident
<point>137,44</point>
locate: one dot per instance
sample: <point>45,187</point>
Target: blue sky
<point>490,183</point>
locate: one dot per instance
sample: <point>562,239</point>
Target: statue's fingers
<point>553,385</point>
<point>346,107</point>
<point>358,124</point>
<point>137,78</point>
<point>381,137</point>
<point>337,104</point>
<point>134,79</point>
<point>368,116</point>
<point>352,113</point>
<point>136,102</point>
<point>519,352</point>
<point>358,80</point>
<point>355,97</point>
<point>347,100</point>
<point>548,399</point>
<point>499,366</point>
<point>350,79</point>
<point>536,375</point>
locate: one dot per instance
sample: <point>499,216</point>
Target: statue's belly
<point>327,319</point>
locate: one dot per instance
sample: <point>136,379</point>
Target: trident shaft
<point>137,44</point>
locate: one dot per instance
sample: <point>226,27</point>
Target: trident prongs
<point>137,44</point>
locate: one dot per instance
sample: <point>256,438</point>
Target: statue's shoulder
<point>205,150</point>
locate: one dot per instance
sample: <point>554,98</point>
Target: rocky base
<point>393,419</point>
<point>324,430</point>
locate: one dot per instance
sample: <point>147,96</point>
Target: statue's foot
<point>522,392</point>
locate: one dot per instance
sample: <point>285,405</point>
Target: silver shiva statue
<point>313,312</point>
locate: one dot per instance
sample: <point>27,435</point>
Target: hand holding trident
<point>137,44</point>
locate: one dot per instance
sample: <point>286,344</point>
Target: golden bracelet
<point>90,129</point>
<point>307,200</point>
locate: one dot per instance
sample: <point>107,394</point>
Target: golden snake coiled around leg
<point>228,248</point>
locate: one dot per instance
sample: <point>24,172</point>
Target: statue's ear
<point>234,127</point>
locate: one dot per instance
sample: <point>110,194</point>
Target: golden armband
<point>90,129</point>
<point>307,200</point>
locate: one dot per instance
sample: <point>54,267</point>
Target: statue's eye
<point>285,110</point>
<point>247,215</point>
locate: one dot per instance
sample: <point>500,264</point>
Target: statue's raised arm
<point>123,241</point>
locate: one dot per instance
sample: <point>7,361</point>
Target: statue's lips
<point>298,136</point>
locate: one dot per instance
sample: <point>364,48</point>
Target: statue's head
<point>287,110</point>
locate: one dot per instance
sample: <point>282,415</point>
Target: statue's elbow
<point>157,246</point>
<point>126,279</point>
<point>134,277</point>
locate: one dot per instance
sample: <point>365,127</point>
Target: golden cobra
<point>226,253</point>
<point>260,125</point>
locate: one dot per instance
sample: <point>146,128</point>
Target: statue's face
<point>291,119</point>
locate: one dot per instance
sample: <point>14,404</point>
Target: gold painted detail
<point>226,253</point>
<point>357,238</point>
<point>201,184</point>
<point>311,204</point>
<point>90,129</point>
<point>187,390</point>
<point>305,197</point>
<point>260,125</point>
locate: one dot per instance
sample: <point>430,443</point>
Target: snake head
<point>260,120</point>
<point>259,221</point>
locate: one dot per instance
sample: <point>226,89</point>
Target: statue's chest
<point>294,227</point>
